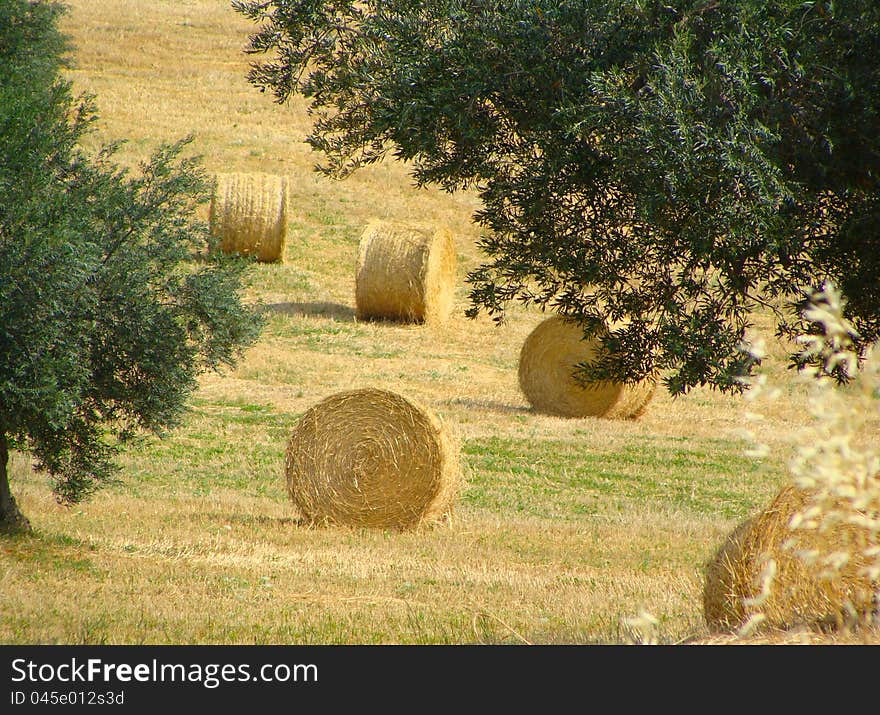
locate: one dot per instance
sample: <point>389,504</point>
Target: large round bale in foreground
<point>248,214</point>
<point>372,458</point>
<point>547,363</point>
<point>799,596</point>
<point>405,273</point>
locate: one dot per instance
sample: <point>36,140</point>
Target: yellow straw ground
<point>562,529</point>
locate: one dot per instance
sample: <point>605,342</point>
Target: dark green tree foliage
<point>111,297</point>
<point>678,162</point>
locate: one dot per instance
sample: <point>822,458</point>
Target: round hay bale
<point>799,596</point>
<point>371,458</point>
<point>404,273</point>
<point>547,363</point>
<point>248,214</point>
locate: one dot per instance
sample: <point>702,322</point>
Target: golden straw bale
<point>547,363</point>
<point>405,273</point>
<point>372,458</point>
<point>248,214</point>
<point>799,596</point>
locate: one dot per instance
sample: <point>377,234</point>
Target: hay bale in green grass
<point>372,458</point>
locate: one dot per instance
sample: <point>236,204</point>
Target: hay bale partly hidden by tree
<point>405,273</point>
<point>547,364</point>
<point>248,214</point>
<point>372,458</point>
<point>799,595</point>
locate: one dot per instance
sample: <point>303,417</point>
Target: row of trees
<point>679,162</point>
<point>112,298</point>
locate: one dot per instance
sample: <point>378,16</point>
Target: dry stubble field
<point>563,527</point>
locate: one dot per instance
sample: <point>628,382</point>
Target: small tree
<point>111,297</point>
<point>680,162</point>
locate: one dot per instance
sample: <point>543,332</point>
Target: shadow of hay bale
<point>336,311</point>
<point>490,406</point>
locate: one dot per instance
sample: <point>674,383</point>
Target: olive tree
<point>679,163</point>
<point>112,298</point>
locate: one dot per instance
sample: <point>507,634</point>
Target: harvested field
<point>562,528</point>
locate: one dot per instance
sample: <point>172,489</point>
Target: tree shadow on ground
<point>258,519</point>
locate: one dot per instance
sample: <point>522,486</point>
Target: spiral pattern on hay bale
<point>248,214</point>
<point>372,458</point>
<point>798,595</point>
<point>547,364</point>
<point>405,273</point>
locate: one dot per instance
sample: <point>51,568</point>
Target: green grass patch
<point>219,446</point>
<point>41,552</point>
<point>570,479</point>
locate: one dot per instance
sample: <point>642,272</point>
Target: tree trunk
<point>11,518</point>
